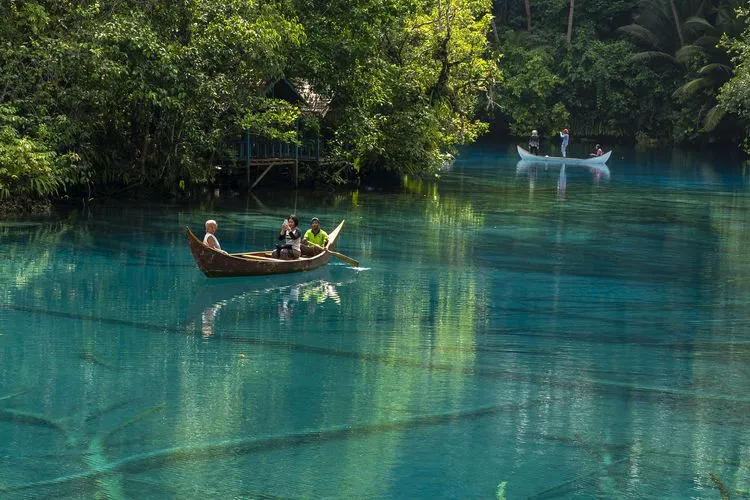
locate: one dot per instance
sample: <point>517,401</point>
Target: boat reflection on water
<point>562,183</point>
<point>207,319</point>
<point>536,170</point>
<point>312,294</point>
<point>285,297</point>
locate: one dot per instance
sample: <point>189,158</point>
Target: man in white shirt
<point>210,238</point>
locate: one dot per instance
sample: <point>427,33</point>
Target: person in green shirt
<point>315,235</point>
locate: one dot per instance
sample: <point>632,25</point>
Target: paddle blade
<point>343,257</point>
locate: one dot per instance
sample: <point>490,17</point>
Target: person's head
<point>565,131</point>
<point>598,146</point>
<point>293,221</point>
<point>315,224</point>
<point>534,132</point>
<point>211,226</point>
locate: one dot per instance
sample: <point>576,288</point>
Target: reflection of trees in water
<point>222,401</point>
<point>27,251</point>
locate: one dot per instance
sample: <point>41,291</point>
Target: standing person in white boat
<point>534,143</point>
<point>564,140</point>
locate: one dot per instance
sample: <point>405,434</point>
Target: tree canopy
<point>155,93</point>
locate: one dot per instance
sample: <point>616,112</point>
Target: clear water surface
<point>515,331</point>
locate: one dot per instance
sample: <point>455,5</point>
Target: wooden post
<point>296,155</point>
<point>248,148</point>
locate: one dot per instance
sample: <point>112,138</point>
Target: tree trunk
<point>570,20</point>
<point>677,23</point>
<point>494,32</point>
<point>527,4</point>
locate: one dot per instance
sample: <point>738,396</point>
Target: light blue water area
<point>544,331</point>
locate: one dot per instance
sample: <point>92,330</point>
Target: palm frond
<point>690,52</point>
<point>693,86</point>
<point>709,42</point>
<point>695,24</point>
<point>642,34</point>
<point>713,118</point>
<point>653,55</point>
<point>717,70</point>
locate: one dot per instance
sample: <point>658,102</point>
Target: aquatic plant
<point>500,493</point>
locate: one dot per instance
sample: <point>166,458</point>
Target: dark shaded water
<point>522,328</point>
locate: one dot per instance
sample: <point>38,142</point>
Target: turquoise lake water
<point>514,329</point>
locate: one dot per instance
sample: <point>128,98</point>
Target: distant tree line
<point>105,95</point>
<point>647,70</point>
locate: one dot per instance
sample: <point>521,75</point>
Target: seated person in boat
<point>534,143</point>
<point>314,236</point>
<point>291,237</point>
<point>210,238</point>
<point>597,151</point>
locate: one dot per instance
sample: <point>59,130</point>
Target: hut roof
<point>314,103</point>
<point>299,91</point>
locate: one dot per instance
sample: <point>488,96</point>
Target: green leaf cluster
<point>158,92</point>
<point>142,93</point>
<point>734,95</point>
<point>405,78</point>
<point>29,169</point>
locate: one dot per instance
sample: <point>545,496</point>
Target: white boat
<point>595,160</point>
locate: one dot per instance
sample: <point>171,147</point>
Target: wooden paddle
<point>341,256</point>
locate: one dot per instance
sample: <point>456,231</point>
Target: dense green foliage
<point>117,94</point>
<point>154,93</point>
<point>735,93</point>
<point>405,76</point>
<point>632,69</point>
<point>133,92</point>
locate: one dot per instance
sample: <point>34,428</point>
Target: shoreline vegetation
<point>107,98</point>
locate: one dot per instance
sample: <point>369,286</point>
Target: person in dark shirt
<point>534,143</point>
<point>291,237</point>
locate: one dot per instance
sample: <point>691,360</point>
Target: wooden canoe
<point>216,264</point>
<point>525,155</point>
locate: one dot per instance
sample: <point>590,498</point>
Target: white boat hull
<point>594,160</point>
